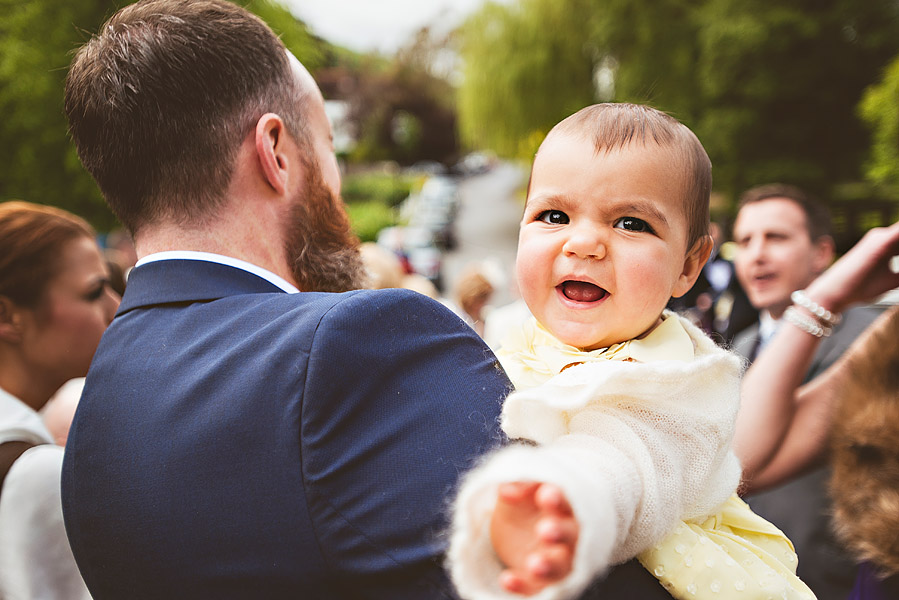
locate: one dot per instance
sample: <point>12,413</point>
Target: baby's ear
<point>693,263</point>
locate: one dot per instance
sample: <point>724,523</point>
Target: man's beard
<point>321,247</point>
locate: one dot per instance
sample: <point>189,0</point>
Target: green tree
<point>780,83</point>
<point>880,110</point>
<point>38,163</point>
<point>771,88</point>
<point>652,45</point>
<point>314,52</point>
<point>525,67</point>
<point>400,110</point>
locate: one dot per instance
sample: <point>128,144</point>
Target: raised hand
<point>863,273</point>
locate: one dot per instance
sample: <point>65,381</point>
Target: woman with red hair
<point>55,303</point>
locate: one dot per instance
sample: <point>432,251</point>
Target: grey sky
<point>382,25</point>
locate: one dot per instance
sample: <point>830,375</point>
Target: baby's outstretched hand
<point>534,533</point>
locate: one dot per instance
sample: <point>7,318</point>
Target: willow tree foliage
<point>770,87</point>
<point>525,67</point>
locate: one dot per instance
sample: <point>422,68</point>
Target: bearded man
<point>246,430</point>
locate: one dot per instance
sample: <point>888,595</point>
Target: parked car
<point>434,208</point>
<point>417,251</point>
<point>474,163</point>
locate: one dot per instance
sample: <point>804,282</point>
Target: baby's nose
<point>585,242</point>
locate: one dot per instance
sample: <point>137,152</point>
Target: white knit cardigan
<point>636,447</point>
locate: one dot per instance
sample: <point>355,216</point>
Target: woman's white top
<point>36,562</point>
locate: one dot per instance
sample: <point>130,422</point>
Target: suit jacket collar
<point>171,281</point>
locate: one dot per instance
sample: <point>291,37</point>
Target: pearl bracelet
<point>827,318</point>
<point>806,324</point>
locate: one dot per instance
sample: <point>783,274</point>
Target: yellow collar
<point>532,355</point>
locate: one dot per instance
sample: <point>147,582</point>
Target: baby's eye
<point>633,224</point>
<point>553,217</point>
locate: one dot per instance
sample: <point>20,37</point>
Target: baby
<point>631,408</point>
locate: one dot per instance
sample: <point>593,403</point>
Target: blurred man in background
<point>783,239</point>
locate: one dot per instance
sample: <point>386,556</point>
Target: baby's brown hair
<point>612,126</point>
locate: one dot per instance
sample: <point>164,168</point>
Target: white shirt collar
<point>221,259</point>
<point>767,325</point>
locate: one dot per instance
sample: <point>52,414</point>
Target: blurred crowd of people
<point>58,295</point>
<point>781,243</point>
<point>815,432</point>
<point>59,290</point>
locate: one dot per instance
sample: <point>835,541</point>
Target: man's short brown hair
<point>160,99</point>
<point>612,126</point>
<point>817,217</point>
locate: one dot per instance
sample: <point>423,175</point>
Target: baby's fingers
<point>515,583</point>
<point>553,530</point>
<point>550,563</point>
<point>542,568</point>
<point>550,498</point>
<point>521,582</point>
<point>516,491</point>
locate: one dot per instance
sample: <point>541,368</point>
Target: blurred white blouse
<point>36,562</point>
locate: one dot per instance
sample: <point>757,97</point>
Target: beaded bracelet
<point>806,324</point>
<point>827,318</point>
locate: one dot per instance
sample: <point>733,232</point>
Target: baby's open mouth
<point>581,291</point>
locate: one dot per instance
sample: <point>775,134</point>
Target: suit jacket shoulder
<point>235,441</point>
<point>425,409</point>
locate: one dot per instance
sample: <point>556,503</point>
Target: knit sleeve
<point>603,514</point>
<point>635,448</point>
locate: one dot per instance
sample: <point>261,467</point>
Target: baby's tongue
<point>581,291</point>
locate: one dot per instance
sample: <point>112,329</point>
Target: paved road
<point>490,207</point>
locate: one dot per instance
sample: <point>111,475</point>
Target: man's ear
<point>10,321</point>
<point>693,264</point>
<point>271,148</point>
<point>824,253</point>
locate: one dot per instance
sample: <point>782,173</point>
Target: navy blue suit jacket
<point>235,441</point>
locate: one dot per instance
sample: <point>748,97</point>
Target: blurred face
<point>63,332</point>
<point>603,242</point>
<point>776,256</point>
